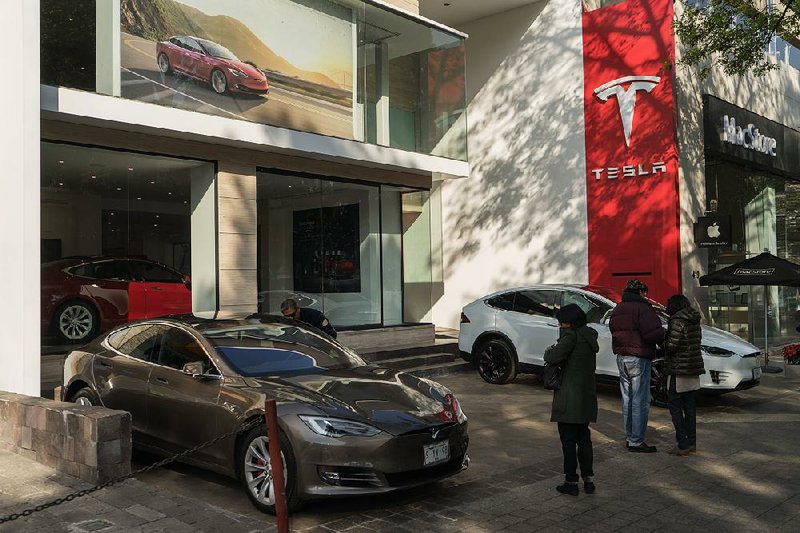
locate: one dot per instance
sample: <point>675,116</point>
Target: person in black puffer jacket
<point>684,365</point>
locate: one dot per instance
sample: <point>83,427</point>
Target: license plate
<point>757,373</point>
<point>436,452</point>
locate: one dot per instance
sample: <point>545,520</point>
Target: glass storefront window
<point>765,215</point>
<point>341,68</point>
<point>123,236</point>
<point>339,247</point>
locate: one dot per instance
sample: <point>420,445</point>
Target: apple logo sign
<point>713,231</point>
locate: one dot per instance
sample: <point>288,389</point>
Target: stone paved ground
<point>745,478</point>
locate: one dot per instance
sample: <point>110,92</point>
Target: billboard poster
<point>326,249</point>
<point>631,146</point>
<point>286,63</point>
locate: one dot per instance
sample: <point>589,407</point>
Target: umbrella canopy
<point>763,269</point>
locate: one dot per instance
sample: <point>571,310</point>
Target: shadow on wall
<point>520,217</point>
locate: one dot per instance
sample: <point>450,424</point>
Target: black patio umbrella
<point>764,269</point>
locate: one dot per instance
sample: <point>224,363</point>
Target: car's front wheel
<point>255,470</point>
<point>218,81</point>
<point>76,322</point>
<point>86,396</point>
<point>163,63</point>
<point>497,362</point>
<point>659,396</point>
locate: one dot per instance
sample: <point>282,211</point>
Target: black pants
<point>684,416</point>
<point>576,444</point>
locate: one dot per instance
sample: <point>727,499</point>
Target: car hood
<point>390,400</point>
<point>248,69</point>
<point>722,339</point>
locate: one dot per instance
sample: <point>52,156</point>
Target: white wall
<point>520,217</point>
<point>20,354</point>
<point>775,96</point>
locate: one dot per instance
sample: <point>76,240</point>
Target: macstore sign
<point>749,137</point>
<point>741,136</point>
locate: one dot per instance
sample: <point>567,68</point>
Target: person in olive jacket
<point>683,366</point>
<point>575,403</point>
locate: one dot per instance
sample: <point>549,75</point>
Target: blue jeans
<point>634,383</point>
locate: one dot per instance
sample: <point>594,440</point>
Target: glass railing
<point>785,51</point>
<point>342,68</point>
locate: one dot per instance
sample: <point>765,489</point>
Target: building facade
<point>563,190</point>
<point>249,153</point>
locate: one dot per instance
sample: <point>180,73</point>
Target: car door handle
<point>155,288</point>
<point>553,325</point>
<point>162,380</point>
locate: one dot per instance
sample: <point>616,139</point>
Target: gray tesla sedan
<point>346,427</point>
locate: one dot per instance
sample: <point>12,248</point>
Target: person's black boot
<point>588,485</point>
<point>568,487</point>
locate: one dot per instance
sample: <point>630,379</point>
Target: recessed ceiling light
<point>61,183</point>
<point>60,161</point>
<point>169,193</point>
<point>119,188</point>
<point>157,216</point>
<point>152,182</point>
<point>112,213</point>
<point>185,202</point>
<point>138,197</point>
<point>94,177</point>
<point>155,225</point>
<point>130,169</point>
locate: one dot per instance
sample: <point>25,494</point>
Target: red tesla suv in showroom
<point>211,63</point>
<point>83,296</point>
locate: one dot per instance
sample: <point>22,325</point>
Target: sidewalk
<point>744,478</point>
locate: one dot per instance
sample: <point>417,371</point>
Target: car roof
<point>606,293</point>
<point>202,321</point>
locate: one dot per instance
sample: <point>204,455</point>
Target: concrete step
<point>449,346</point>
<point>443,369</point>
<point>414,361</point>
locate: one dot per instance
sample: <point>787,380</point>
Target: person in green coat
<point>575,403</point>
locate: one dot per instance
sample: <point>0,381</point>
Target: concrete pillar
<point>107,51</point>
<point>382,79</point>
<point>204,240</point>
<point>20,351</point>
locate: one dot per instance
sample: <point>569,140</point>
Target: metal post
<point>276,465</point>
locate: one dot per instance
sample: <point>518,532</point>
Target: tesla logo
<point>626,98</point>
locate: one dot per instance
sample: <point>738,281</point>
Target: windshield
<point>259,349</point>
<point>217,50</point>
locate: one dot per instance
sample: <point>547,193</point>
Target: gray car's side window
<point>179,347</point>
<point>140,342</point>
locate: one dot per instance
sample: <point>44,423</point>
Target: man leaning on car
<point>635,331</point>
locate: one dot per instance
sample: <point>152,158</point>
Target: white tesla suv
<point>508,331</point>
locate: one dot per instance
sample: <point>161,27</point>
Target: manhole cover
<point>90,525</point>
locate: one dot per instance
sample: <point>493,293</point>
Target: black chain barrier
<point>68,498</point>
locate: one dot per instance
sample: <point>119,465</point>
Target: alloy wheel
<point>493,362</point>
<point>75,322</point>
<point>218,82</point>
<point>163,63</point>
<point>258,471</point>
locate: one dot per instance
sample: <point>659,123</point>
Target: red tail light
<point>464,319</point>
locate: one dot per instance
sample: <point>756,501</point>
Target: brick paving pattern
<point>744,478</point>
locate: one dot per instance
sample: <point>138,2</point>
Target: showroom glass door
<point>350,250</point>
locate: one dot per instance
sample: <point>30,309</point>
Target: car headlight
<point>338,427</point>
<point>237,72</point>
<point>717,352</point>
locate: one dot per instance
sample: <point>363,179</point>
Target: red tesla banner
<point>631,152</point>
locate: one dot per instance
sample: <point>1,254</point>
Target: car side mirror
<point>194,369</point>
<point>197,370</point>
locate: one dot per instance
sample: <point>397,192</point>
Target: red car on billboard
<point>83,296</point>
<point>210,62</point>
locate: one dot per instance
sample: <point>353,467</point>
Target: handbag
<point>552,377</point>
